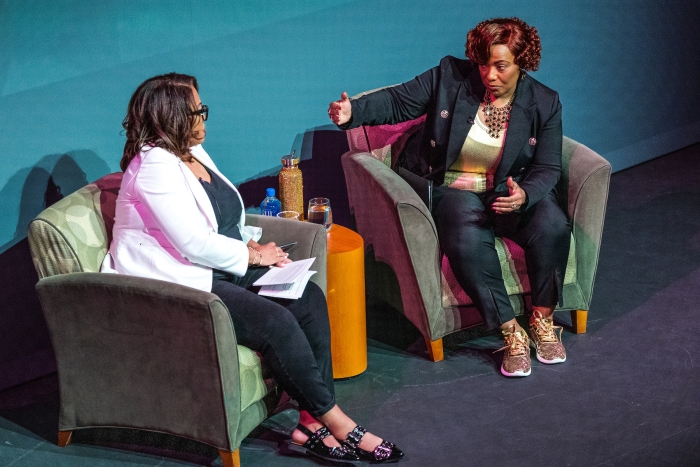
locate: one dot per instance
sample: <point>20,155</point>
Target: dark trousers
<point>293,337</point>
<point>467,226</point>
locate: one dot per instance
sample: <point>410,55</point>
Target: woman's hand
<point>512,203</point>
<point>270,254</point>
<point>340,111</point>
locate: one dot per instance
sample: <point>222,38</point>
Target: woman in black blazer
<point>492,145</point>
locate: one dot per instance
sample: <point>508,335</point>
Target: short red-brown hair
<point>522,41</point>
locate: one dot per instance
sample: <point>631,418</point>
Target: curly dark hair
<point>522,41</point>
<point>160,114</point>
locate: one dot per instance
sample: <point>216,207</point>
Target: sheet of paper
<point>289,291</point>
<point>286,275</point>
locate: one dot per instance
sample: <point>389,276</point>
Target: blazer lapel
<point>464,112</point>
<point>519,125</point>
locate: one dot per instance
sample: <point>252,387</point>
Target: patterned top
<point>476,165</point>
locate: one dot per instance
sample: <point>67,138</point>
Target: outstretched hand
<point>508,204</point>
<point>340,112</point>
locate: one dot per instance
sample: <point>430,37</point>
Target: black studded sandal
<point>314,447</point>
<point>385,452</point>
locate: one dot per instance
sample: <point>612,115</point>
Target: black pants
<point>467,226</point>
<point>293,337</point>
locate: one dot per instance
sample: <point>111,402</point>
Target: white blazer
<point>165,227</point>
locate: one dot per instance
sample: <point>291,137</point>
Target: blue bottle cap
<point>270,192</point>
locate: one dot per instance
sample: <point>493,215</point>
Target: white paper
<point>290,291</point>
<point>291,272</point>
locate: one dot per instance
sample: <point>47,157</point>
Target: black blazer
<point>450,95</point>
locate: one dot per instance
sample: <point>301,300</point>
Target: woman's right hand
<point>273,255</point>
<point>340,112</point>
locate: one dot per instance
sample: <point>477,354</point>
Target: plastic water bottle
<point>270,205</point>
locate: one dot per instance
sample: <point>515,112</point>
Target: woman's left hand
<point>512,203</point>
<point>270,250</point>
<point>283,261</point>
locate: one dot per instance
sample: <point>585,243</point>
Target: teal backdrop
<point>627,72</point>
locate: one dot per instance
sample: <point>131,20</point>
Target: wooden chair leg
<point>64,438</point>
<point>231,459</point>
<point>578,320</point>
<point>435,349</point>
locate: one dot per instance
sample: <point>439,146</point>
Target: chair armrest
<point>588,184</point>
<point>311,241</point>
<point>393,219</point>
<point>143,353</point>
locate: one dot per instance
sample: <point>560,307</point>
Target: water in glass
<point>320,212</point>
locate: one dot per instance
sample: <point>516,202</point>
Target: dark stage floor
<point>628,395</point>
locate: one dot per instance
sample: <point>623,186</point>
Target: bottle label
<point>270,207</point>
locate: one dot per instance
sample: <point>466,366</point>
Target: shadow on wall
<point>25,347</point>
<point>50,179</point>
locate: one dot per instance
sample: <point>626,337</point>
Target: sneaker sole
<point>550,362</point>
<point>516,373</point>
<point>544,360</point>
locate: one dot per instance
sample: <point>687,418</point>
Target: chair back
<point>73,235</point>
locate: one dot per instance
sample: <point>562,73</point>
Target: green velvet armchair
<point>142,353</point>
<point>404,264</point>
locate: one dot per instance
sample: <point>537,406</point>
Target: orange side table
<point>346,302</point>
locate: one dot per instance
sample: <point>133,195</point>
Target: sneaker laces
<point>516,342</point>
<point>545,329</point>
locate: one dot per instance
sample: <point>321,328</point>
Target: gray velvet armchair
<point>404,264</point>
<point>142,353</point>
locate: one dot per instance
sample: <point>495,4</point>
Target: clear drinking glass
<point>288,215</point>
<point>320,212</point>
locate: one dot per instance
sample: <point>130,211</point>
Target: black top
<point>227,209</point>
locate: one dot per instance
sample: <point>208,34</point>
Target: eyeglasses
<point>204,112</point>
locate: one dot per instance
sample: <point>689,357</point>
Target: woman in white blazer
<point>179,219</point>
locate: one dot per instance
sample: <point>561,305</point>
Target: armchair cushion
<point>73,235</point>
<point>386,142</point>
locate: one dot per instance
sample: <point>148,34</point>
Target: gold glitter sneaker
<point>516,358</point>
<point>546,339</point>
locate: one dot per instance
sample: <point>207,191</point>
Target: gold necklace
<point>496,117</point>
